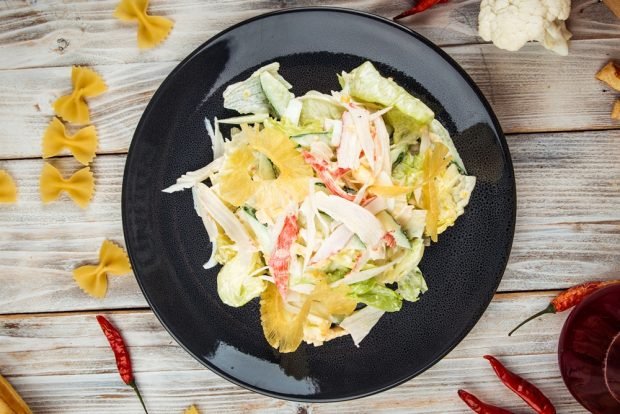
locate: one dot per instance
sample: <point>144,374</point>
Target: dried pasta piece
<point>191,410</point>
<point>86,84</point>
<point>10,401</point>
<point>152,30</point>
<point>8,189</point>
<point>80,187</point>
<point>94,279</point>
<point>615,112</point>
<point>82,144</point>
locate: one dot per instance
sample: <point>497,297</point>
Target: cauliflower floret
<point>509,24</point>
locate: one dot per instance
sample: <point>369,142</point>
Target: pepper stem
<point>548,309</point>
<point>133,385</point>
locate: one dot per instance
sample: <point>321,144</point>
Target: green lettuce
<point>291,130</point>
<point>336,274</point>
<point>248,96</point>
<point>406,130</point>
<point>366,83</point>
<point>444,135</point>
<point>453,191</point>
<point>276,92</point>
<point>411,285</point>
<point>317,106</point>
<point>409,259</point>
<point>376,295</point>
<point>408,172</point>
<point>235,285</point>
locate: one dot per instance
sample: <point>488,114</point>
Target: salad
<point>321,205</point>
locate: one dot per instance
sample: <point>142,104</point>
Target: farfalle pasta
<point>80,186</point>
<point>94,279</point>
<point>152,30</point>
<point>8,189</point>
<point>86,84</point>
<point>82,144</point>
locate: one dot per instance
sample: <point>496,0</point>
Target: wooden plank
<point>40,244</point>
<point>530,91</point>
<point>35,34</point>
<point>533,90</point>
<point>568,225</point>
<point>568,221</point>
<point>62,364</point>
<point>27,95</point>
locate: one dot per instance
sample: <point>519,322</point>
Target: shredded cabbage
<point>323,204</point>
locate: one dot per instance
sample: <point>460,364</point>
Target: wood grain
<point>40,245</point>
<point>568,225</point>
<point>42,34</point>
<point>62,364</point>
<point>530,91</point>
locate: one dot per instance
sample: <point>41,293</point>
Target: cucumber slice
<point>265,167</point>
<point>261,232</point>
<point>276,92</point>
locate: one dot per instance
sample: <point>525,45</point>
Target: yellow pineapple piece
<point>283,330</point>
<point>328,301</point>
<point>236,185</point>
<point>239,181</point>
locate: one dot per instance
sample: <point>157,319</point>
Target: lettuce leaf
<point>453,192</point>
<point>441,132</point>
<point>248,96</point>
<point>409,259</point>
<point>317,106</point>
<point>376,295</point>
<point>236,285</point>
<point>366,83</point>
<point>411,285</point>
<point>291,130</point>
<point>359,324</point>
<point>406,130</point>
<point>276,92</point>
<point>408,172</point>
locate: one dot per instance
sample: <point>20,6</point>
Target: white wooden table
<point>566,154</point>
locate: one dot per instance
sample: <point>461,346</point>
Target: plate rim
<point>502,141</point>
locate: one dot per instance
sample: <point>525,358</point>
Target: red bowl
<point>589,351</point>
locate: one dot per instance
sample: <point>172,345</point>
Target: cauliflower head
<point>509,24</point>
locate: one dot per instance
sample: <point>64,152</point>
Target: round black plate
<point>168,245</point>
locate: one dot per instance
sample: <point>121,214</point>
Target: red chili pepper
<point>523,388</point>
<point>567,299</point>
<point>123,363</point>
<point>419,7</point>
<point>480,407</point>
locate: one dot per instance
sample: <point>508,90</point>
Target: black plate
<point>168,244</point>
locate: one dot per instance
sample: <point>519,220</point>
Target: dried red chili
<point>419,7</point>
<point>121,353</point>
<point>567,299</point>
<point>479,406</point>
<point>523,388</point>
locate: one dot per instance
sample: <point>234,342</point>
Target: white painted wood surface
<point>530,91</point>
<point>567,166</point>
<point>62,364</point>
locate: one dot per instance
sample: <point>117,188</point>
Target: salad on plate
<point>321,205</point>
